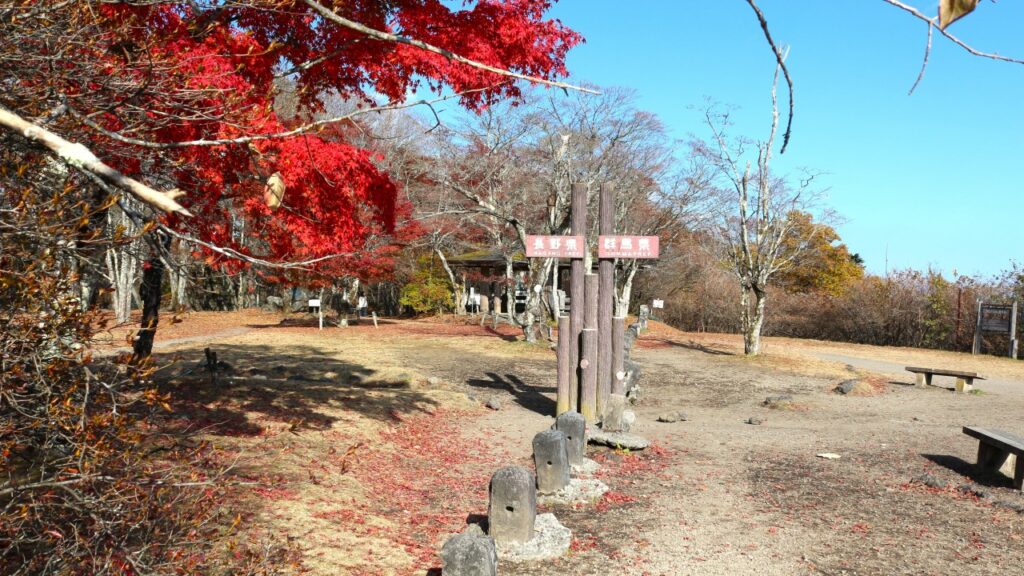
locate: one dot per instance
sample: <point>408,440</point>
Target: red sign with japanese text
<point>627,247</point>
<point>555,246</point>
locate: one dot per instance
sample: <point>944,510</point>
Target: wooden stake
<point>588,363</point>
<point>578,227</point>
<point>566,372</point>
<point>606,300</point>
<point>588,396</point>
<point>618,355</point>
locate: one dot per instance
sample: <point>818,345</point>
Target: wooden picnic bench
<point>964,380</point>
<point>994,447</point>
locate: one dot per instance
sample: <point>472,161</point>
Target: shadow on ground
<point>971,470</point>
<point>691,345</point>
<point>530,397</point>
<point>312,321</point>
<point>298,385</point>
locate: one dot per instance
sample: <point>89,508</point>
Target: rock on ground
<point>618,440</point>
<point>577,492</point>
<point>586,467</point>
<point>550,540</point>
<point>676,416</point>
<point>471,553</point>
<point>930,481</point>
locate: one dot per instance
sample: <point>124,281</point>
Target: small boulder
<point>471,553</point>
<point>493,404</point>
<point>754,420</point>
<point>846,386</point>
<point>676,416</point>
<point>618,440</point>
<point>974,490</point>
<point>930,481</point>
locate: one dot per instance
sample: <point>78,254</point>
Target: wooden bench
<point>994,447</point>
<point>964,380</point>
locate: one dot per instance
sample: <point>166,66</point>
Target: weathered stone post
<point>566,370</point>
<point>552,461</point>
<point>612,420</point>
<point>471,553</point>
<point>574,427</point>
<point>512,510</point>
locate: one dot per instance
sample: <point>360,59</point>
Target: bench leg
<point>1018,473</point>
<point>964,385</point>
<point>991,458</point>
<point>920,380</point>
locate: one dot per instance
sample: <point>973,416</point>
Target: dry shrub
<point>90,483</point>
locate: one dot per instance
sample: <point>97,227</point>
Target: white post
<point>374,318</point>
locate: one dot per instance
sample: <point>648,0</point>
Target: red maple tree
<point>176,101</point>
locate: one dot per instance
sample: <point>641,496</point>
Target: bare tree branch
<point>286,134</point>
<point>82,159</point>
<point>933,21</point>
<point>781,59</point>
<point>924,62</point>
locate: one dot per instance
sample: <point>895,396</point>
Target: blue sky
<point>924,180</point>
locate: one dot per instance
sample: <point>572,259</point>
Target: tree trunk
<point>622,302</point>
<point>151,292</point>
<point>179,287</point>
<point>753,320</point>
<point>457,289</point>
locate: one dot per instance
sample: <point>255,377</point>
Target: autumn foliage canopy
<point>182,93</point>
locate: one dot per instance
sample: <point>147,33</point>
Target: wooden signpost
<point>997,319</point>
<point>590,341</point>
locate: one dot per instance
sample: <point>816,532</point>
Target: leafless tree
<point>753,232</point>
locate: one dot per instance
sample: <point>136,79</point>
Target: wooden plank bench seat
<point>994,447</point>
<point>964,380</point>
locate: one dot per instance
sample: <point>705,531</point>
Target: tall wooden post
<point>566,370</point>
<point>1013,330</point>
<point>588,362</point>
<point>976,349</point>
<point>606,300</point>
<point>618,355</point>
<point>578,227</point>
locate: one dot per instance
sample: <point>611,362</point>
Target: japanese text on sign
<point>627,247</point>
<point>555,246</point>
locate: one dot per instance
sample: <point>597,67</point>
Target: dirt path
<point>714,496</point>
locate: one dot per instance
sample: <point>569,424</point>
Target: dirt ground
<point>362,449</point>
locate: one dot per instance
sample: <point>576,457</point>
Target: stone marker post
<point>471,553</point>
<point>552,461</point>
<point>574,427</point>
<point>512,510</point>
